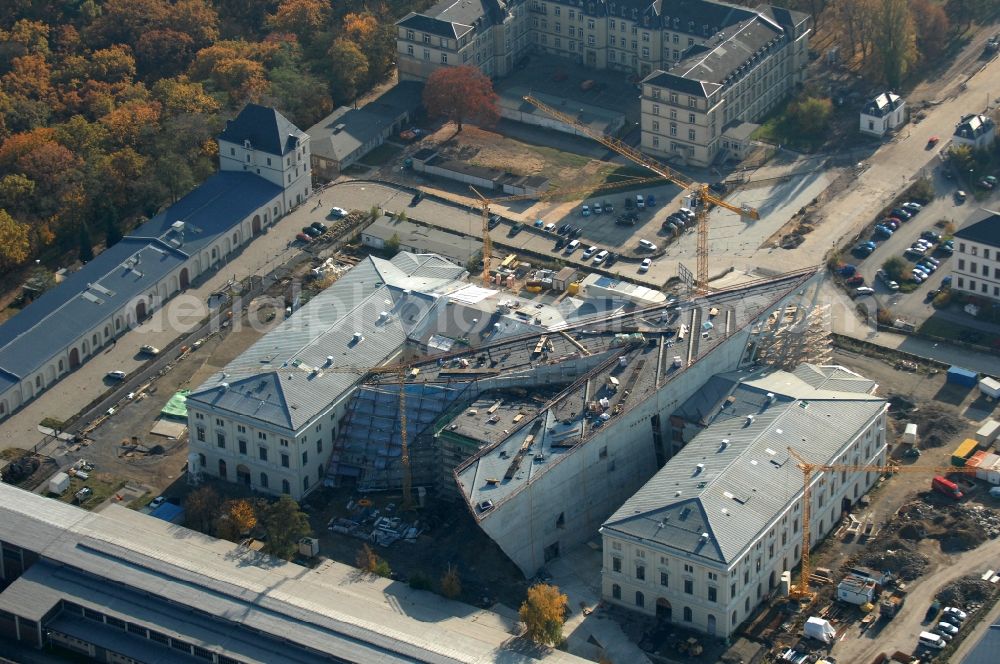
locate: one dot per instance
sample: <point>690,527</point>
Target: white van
<point>571,247</point>
<point>931,640</point>
<point>640,202</point>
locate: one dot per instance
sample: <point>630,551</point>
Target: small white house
<point>882,114</point>
<point>976,131</point>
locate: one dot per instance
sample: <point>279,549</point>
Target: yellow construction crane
<point>485,203</point>
<point>700,190</point>
<point>802,591</point>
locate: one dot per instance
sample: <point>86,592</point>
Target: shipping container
<point>960,376</point>
<point>946,487</point>
<point>59,483</point>
<point>990,387</point>
<point>988,432</point>
<point>965,450</point>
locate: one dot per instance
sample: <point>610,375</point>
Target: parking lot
<point>916,306</point>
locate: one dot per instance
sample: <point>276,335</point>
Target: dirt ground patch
<point>449,537</point>
<point>134,420</point>
<point>481,147</point>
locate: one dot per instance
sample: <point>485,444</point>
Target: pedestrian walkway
<point>578,575</point>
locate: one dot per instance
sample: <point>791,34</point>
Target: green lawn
<point>558,158</point>
<point>103,487</point>
<point>381,155</point>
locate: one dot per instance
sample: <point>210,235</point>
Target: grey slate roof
<point>985,231</point>
<point>683,84</point>
<point>716,60</point>
<point>360,126</point>
<point>735,477</point>
<point>265,128</point>
<point>91,294</point>
<point>229,599</point>
<point>285,379</point>
<point>883,105</point>
<point>973,126</point>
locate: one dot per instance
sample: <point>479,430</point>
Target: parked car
<point>149,350</point>
<point>494,221</point>
<point>955,611</point>
<point>303,237</point>
<point>947,627</point>
<point>585,210</point>
<point>321,227</point>
<point>549,228</point>
<point>882,232</point>
<point>687,212</point>
<point>927,267</point>
<point>933,261</point>
<point>640,202</point>
<point>647,245</point>
<point>116,375</point>
<point>932,141</point>
<point>629,203</point>
<point>931,236</point>
<point>913,252</point>
<point>856,280</point>
<point>900,213</point>
<point>311,232</point>
<point>596,207</point>
<point>338,213</point>
<point>644,265</point>
<point>611,259</point>
<point>960,196</point>
<point>588,252</point>
<point>932,611</point>
<point>891,222</point>
<point>560,243</point>
<point>417,197</point>
<point>892,286</point>
<point>863,250</point>
<point>571,247</point>
<point>608,207</point>
<point>650,201</point>
<point>515,229</point>
<point>156,502</point>
<point>625,220</point>
<point>985,184</point>
<point>912,207</point>
<point>576,232</point>
<point>539,223</point>
<point>864,290</point>
<point>601,256</point>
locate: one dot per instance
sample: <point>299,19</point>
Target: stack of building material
<point>964,451</point>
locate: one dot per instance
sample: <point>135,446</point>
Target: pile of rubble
<point>375,526</point>
<point>957,527</point>
<point>898,559</point>
<point>969,592</point>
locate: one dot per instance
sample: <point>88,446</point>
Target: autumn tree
<point>369,561</point>
<point>461,94</point>
<point>303,18</point>
<point>15,240</point>
<point>285,525</point>
<point>895,40</point>
<point>543,614</point>
<point>811,116</point>
<point>932,28</point>
<point>86,249</point>
<point>201,508</point>
<point>238,518</point>
<point>348,67</point>
<point>451,583</point>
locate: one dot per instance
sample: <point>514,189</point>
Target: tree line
<point>109,108</point>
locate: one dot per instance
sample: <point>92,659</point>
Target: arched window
<point>222,468</point>
<point>60,366</point>
<point>97,341</point>
<point>118,324</point>
<point>285,487</point>
<point>38,382</point>
<point>616,591</point>
<point>107,331</point>
<point>734,620</point>
<point>687,614</point>
<point>640,599</point>
<point>201,460</point>
<point>263,480</point>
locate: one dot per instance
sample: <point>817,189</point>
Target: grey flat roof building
<point>156,592</point>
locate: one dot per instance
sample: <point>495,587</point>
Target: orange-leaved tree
<point>543,614</point>
<point>460,94</point>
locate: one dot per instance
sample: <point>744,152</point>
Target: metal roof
<point>265,128</point>
<point>341,133</point>
<point>230,599</point>
<point>733,479</point>
<point>287,377</point>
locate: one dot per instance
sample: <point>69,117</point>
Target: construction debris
<point>376,526</point>
<point>969,592</point>
<point>899,560</point>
